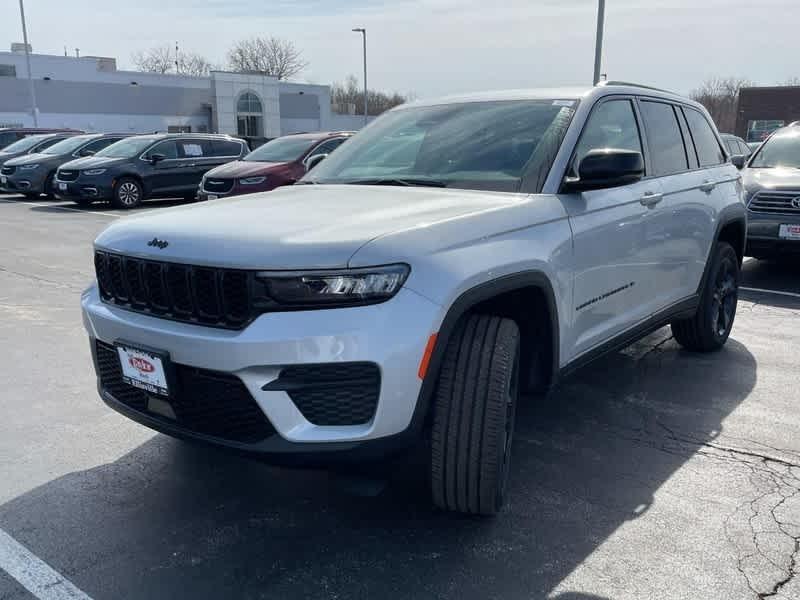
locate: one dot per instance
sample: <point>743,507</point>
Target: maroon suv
<point>281,161</point>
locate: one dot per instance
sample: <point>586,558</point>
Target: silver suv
<point>451,257</point>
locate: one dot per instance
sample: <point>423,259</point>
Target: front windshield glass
<point>471,145</point>
<point>68,145</point>
<point>127,148</point>
<point>25,143</point>
<point>285,149</point>
<point>781,150</point>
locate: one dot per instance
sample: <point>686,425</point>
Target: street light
<point>28,61</point>
<point>598,47</point>
<point>363,32</point>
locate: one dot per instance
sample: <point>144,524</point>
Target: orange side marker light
<point>426,356</point>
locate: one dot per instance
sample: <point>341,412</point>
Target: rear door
<point>612,274</point>
<point>197,158</point>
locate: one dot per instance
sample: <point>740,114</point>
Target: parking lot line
<point>763,291</point>
<point>34,574</point>
<point>80,210</point>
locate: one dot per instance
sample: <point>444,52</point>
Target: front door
<point>165,177</point>
<point>611,281</point>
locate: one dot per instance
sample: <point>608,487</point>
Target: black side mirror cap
<point>606,168</point>
<point>739,160</point>
<point>87,153</point>
<point>156,158</point>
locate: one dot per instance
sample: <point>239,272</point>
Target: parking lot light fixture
<point>363,32</point>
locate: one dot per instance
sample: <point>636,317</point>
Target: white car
<point>451,256</point>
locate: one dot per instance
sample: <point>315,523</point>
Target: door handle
<point>708,185</point>
<point>649,199</point>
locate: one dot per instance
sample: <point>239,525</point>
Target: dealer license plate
<point>62,187</point>
<point>3,179</point>
<point>789,232</point>
<point>144,370</point>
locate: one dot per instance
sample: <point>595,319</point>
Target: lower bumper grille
<point>66,175</point>
<point>332,394</point>
<point>207,402</point>
<point>218,186</point>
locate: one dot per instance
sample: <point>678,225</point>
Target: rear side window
<point>664,140</point>
<point>705,142</point>
<point>194,148</point>
<point>225,148</point>
<point>611,125</point>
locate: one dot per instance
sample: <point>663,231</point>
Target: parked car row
<point>126,169</point>
<point>9,135</point>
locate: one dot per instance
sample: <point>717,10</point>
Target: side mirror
<point>87,153</point>
<point>606,168</point>
<point>739,160</point>
<point>313,161</point>
<point>156,158</point>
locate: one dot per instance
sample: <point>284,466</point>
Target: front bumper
<point>23,183</point>
<point>82,190</point>
<point>391,335</point>
<point>763,234</point>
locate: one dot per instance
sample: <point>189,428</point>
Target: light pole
<point>363,32</point>
<point>598,47</point>
<point>28,62</point>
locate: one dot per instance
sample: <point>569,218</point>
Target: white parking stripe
<point>763,291</point>
<point>80,210</point>
<point>34,574</point>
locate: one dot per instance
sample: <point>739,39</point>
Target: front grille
<point>6,170</point>
<point>218,186</point>
<point>776,202</point>
<point>201,295</point>
<point>207,402</point>
<point>334,393</point>
<point>67,175</point>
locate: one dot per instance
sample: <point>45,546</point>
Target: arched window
<point>249,115</point>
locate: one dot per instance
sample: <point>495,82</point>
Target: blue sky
<point>434,47</point>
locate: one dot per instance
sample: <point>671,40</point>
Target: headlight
<point>252,180</point>
<point>320,289</point>
<point>94,172</point>
<point>29,167</point>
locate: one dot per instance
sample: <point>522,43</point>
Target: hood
<point>89,162</point>
<point>298,227</point>
<point>243,168</point>
<point>28,159</point>
<point>776,178</point>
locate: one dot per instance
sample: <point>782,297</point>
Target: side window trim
<point>675,108</point>
<point>715,133</point>
<point>688,142</point>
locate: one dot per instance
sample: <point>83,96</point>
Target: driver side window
<point>611,125</point>
<point>168,148</point>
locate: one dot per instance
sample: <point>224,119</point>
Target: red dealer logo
<point>141,364</point>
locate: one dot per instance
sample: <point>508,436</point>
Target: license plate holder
<point>145,368</point>
<point>789,232</point>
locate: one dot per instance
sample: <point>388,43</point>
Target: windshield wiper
<point>401,181</point>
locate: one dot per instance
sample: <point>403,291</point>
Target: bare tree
<point>348,97</point>
<point>720,96</point>
<point>266,56</point>
<point>164,59</point>
<point>792,81</point>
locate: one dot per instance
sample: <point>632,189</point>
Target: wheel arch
<point>135,176</point>
<point>731,228</point>
<point>526,293</point>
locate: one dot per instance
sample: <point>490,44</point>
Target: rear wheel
<point>709,328</point>
<point>127,193</point>
<point>473,423</point>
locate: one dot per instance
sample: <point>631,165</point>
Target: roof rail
<point>639,85</point>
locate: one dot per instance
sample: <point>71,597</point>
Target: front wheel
<point>709,328</point>
<point>473,421</point>
<point>127,193</point>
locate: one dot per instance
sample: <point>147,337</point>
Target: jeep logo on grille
<point>157,243</point>
<point>796,203</point>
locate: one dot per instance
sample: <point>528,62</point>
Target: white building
<point>91,94</point>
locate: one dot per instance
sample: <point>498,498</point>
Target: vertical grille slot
<point>133,275</point>
<point>206,293</point>
<point>117,278</point>
<point>156,291</point>
<point>179,288</point>
<point>103,275</point>
<point>235,295</point>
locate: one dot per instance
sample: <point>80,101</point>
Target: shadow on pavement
<point>776,275</point>
<point>174,520</point>
<point>57,206</point>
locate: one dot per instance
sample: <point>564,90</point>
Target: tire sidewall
<point>725,253</point>
<point>127,180</point>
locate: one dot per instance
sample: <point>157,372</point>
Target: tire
<point>709,328</point>
<point>127,193</point>
<point>473,421</point>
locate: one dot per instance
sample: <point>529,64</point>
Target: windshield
<point>25,143</point>
<point>781,150</point>
<point>285,149</point>
<point>127,148</point>
<point>68,145</point>
<point>472,145</point>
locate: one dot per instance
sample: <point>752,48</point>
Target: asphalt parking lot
<point>654,473</point>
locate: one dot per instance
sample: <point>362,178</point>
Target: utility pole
<point>28,62</point>
<point>598,47</point>
<point>363,32</point>
<point>177,59</point>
